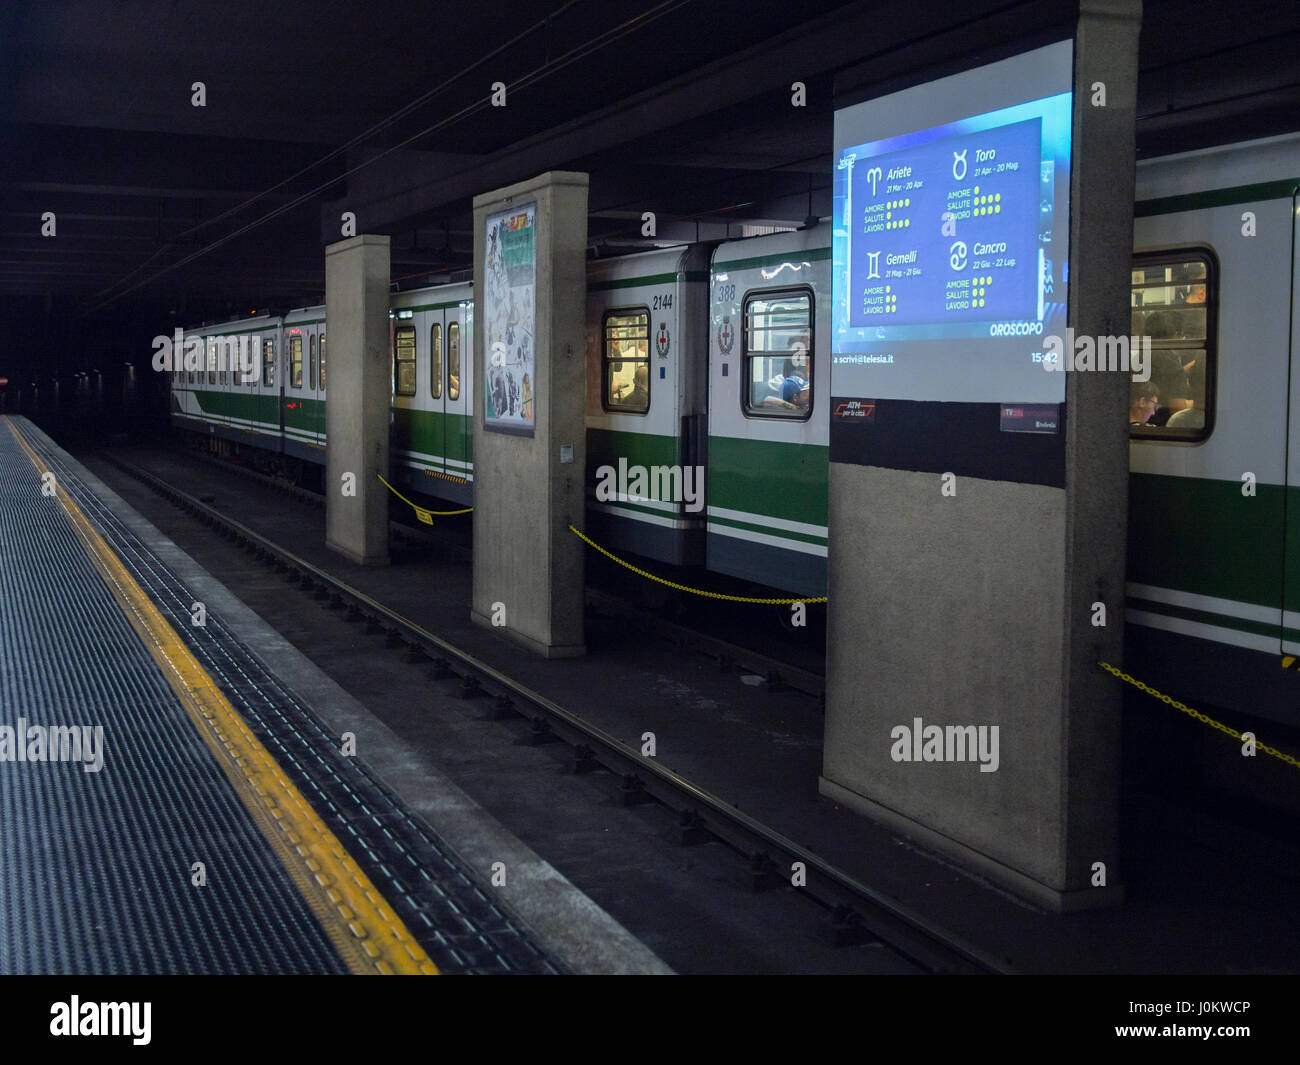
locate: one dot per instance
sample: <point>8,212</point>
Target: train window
<point>311,362</point>
<point>322,362</point>
<point>453,360</point>
<point>295,361</point>
<point>404,360</point>
<point>778,371</point>
<point>268,363</point>
<point>1174,301</point>
<point>211,346</point>
<point>435,360</point>
<point>626,362</point>
<point>193,371</point>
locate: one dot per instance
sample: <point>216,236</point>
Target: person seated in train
<point>1158,325</point>
<point>1191,416</point>
<point>1144,401</point>
<point>1169,375</point>
<point>639,397</point>
<point>795,388</point>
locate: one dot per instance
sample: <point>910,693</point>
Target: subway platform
<point>181,791</point>
<point>1207,891</point>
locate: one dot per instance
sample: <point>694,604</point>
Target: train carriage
<point>431,346</point>
<point>646,402</point>
<point>1214,503</point>
<point>1214,492</point>
<point>215,400</point>
<point>769,379</point>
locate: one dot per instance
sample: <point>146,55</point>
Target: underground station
<point>648,490</point>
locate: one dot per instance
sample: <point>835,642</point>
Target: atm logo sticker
<point>854,410</point>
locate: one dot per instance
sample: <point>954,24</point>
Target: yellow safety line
<point>1205,718</point>
<point>693,591</point>
<point>420,512</point>
<point>368,935</point>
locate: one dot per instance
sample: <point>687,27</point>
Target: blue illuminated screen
<point>950,243</point>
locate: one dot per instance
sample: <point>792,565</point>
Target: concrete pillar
<point>360,397</point>
<point>976,608</point>
<point>530,295</point>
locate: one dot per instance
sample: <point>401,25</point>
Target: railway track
<point>776,672</point>
<point>857,913</point>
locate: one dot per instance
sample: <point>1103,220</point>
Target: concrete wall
<point>977,608</point>
<point>360,396</point>
<point>525,497</point>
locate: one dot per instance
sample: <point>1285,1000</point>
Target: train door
<point>315,410</point>
<point>457,436</point>
<point>1207,530</point>
<point>268,392</point>
<point>1291,555</point>
<point>432,442</point>
<point>407,415</point>
<point>296,428</point>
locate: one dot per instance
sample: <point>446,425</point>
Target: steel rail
<point>859,911</point>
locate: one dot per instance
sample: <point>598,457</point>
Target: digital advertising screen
<point>950,246</point>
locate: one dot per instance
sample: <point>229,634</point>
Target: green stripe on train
<point>1200,201</point>
<point>434,433</point>
<point>606,446</point>
<point>264,410</point>
<point>1203,536</point>
<point>811,255</point>
<point>763,477</point>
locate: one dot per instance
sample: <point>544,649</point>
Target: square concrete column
<point>530,366</point>
<point>359,398</point>
<point>974,606</point>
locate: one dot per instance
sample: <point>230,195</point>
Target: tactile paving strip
<point>442,904</point>
<point>95,867</point>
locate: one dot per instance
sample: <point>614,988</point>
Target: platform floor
<point>170,803</point>
<point>1204,894</point>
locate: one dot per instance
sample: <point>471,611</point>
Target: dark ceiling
<point>169,213</point>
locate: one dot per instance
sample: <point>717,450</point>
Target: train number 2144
<point>663,302</point>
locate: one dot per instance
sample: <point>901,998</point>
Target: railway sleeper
<point>540,732</point>
<point>761,872</point>
<point>633,791</point>
<point>584,759</point>
<point>690,828</point>
<point>847,928</point>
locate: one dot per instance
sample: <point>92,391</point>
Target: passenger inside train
<point>1171,306</point>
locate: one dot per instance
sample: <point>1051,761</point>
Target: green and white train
<point>692,350</point>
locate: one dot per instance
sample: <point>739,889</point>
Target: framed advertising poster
<point>509,320</point>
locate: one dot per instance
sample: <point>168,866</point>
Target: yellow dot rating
<point>894,205</point>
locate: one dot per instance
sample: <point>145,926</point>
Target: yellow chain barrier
<point>1204,718</point>
<point>424,515</point>
<point>693,591</point>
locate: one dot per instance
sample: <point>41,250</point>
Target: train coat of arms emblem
<point>726,336</point>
